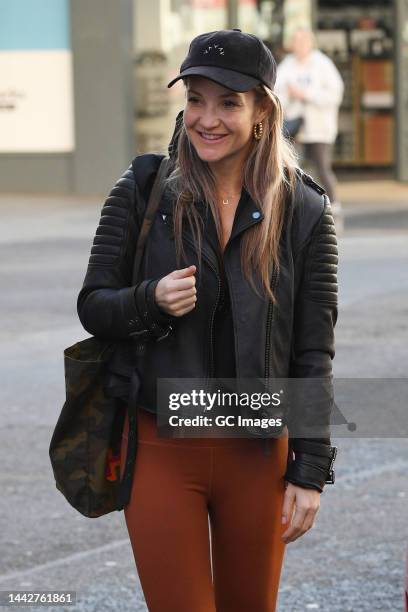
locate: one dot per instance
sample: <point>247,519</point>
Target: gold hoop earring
<point>258,130</point>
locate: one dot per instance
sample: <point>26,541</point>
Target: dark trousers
<point>179,486</point>
<point>320,154</point>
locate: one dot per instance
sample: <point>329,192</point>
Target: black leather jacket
<point>295,339</point>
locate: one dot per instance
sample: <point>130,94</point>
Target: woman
<point>236,213</point>
<point>310,86</point>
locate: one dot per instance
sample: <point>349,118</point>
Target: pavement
<point>353,560</point>
<point>373,194</point>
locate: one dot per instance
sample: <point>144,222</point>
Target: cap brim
<point>227,78</point>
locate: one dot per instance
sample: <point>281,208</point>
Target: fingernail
<point>283,520</point>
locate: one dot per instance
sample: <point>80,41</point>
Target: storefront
<point>360,37</point>
<point>76,127</point>
<point>361,44</point>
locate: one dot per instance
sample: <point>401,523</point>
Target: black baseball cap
<point>232,58</point>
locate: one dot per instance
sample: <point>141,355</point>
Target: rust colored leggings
<point>180,483</point>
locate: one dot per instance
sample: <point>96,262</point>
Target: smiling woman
<point>221,151</point>
<point>241,263</point>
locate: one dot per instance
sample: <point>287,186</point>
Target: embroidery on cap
<point>210,48</point>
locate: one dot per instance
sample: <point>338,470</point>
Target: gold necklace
<point>226,201</point>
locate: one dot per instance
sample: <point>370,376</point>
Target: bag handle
<point>125,486</point>
<point>153,203</point>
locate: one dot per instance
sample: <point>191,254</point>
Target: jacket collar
<point>247,213</point>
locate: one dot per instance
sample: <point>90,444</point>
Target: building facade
<point>83,83</point>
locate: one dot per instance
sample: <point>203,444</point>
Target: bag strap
<point>153,203</point>
<point>125,485</point>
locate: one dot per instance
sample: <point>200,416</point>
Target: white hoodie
<point>319,78</point>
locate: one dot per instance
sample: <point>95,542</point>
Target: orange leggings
<point>182,484</point>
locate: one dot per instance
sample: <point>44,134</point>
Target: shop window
<point>361,45</point>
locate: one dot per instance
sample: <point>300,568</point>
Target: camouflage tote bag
<point>85,445</point>
<point>82,451</point>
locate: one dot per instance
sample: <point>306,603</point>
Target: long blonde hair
<point>269,176</point>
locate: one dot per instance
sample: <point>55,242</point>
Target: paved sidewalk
<point>376,195</point>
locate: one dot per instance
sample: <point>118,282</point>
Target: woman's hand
<point>176,293</point>
<point>307,502</point>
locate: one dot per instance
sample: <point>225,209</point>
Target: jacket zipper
<point>269,321</point>
<point>211,360</point>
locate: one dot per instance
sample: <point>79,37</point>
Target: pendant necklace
<point>226,201</point>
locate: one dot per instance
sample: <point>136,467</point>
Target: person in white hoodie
<point>310,86</point>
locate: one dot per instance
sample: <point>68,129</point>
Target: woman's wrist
<point>304,485</point>
<point>157,313</point>
<point>155,321</point>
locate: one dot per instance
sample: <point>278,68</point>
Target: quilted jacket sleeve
<point>108,305</point>
<point>313,349</point>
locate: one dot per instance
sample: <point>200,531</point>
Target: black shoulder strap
<point>153,203</point>
<point>145,167</point>
<point>125,485</point>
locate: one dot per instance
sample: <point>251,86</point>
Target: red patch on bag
<point>112,471</point>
